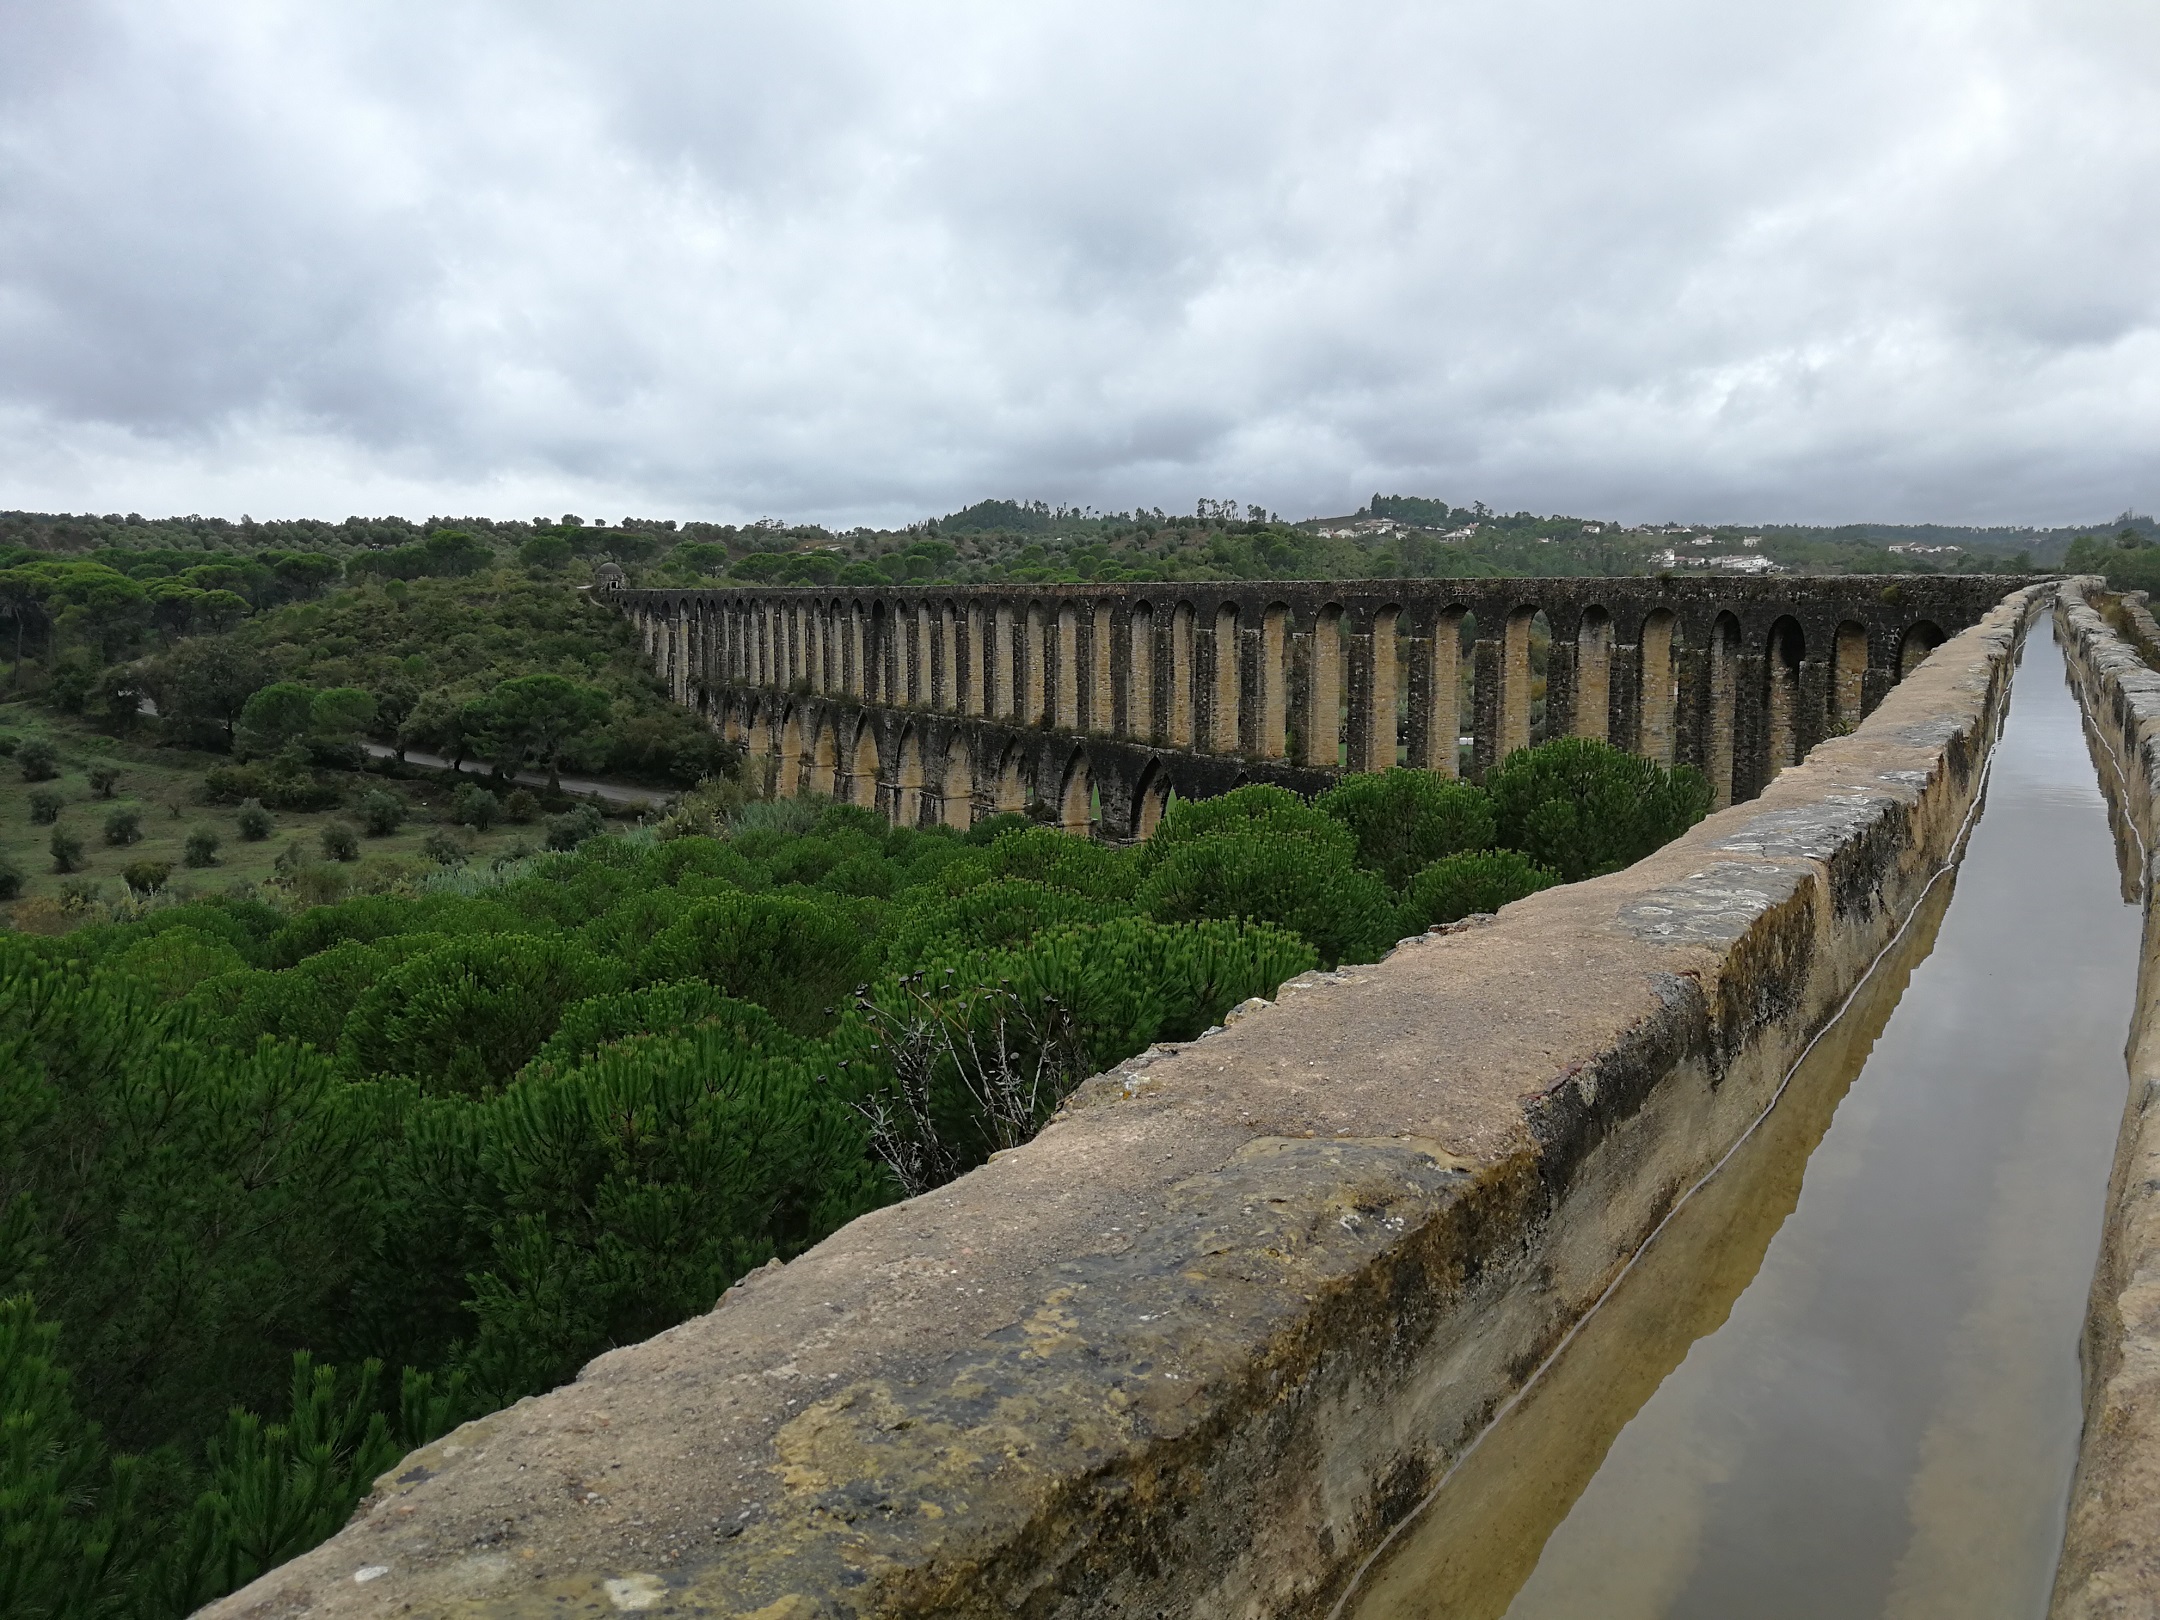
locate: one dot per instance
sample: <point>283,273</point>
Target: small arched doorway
<point>1076,808</point>
<point>1918,641</point>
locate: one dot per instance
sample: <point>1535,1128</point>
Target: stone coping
<point>2111,1548</point>
<point>1197,1346</point>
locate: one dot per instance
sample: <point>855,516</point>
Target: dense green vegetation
<point>433,645</point>
<point>207,574</point>
<point>2130,560</point>
<point>1391,536</point>
<point>287,1189</point>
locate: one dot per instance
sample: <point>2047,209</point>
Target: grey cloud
<point>1816,261</point>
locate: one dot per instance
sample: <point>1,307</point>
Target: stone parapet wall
<point>2111,1551</point>
<point>942,705</point>
<point>1195,1348</point>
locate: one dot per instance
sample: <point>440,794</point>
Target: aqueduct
<point>1206,1342</point>
<point>942,705</point>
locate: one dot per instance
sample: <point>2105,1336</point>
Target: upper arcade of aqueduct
<point>944,704</point>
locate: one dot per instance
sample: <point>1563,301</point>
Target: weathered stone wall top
<point>2111,1549</point>
<point>1194,1348</point>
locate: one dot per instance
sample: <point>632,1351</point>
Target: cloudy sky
<point>1735,259</point>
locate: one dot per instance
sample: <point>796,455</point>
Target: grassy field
<point>165,786</point>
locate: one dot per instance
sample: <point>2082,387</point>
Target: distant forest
<point>1010,541</point>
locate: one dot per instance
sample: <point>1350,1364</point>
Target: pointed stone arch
<point>1076,798</point>
<point>1150,799</point>
<point>1009,793</point>
<point>862,778</point>
<point>956,787</point>
<point>907,794</point>
<point>788,755</point>
<point>825,759</point>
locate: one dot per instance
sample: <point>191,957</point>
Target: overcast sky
<point>1811,260</point>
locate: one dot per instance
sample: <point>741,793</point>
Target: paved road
<point>616,792</point>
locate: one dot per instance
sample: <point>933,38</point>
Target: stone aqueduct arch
<point>945,705</point>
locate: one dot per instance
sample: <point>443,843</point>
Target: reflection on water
<point>1844,1381</point>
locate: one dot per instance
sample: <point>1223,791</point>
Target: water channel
<point>1843,1382</point>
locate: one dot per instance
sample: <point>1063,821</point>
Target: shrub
<point>796,957</point>
<point>520,806</point>
<point>175,960</point>
<point>660,1009</point>
<point>444,848</point>
<point>80,894</point>
<point>67,851</point>
<point>104,781</point>
<point>977,1049</point>
<point>9,742</point>
<point>340,841</point>
<point>1311,887</point>
<point>1065,862</point>
<point>253,821</point>
<point>234,784</point>
<point>11,879</point>
<point>38,760</point>
<point>991,828</point>
<point>997,915</point>
<point>787,817</point>
<point>469,1013</point>
<point>474,806</point>
<point>1459,886</point>
<point>861,875</point>
<point>381,812</point>
<point>44,807</point>
<point>1581,807</point>
<point>124,826</point>
<point>146,877</point>
<point>202,847</point>
<point>1267,812</point>
<point>1404,820</point>
<point>297,790</point>
<point>314,884</point>
<point>738,1156</point>
<point>573,827</point>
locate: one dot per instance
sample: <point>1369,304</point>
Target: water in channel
<point>1844,1381</point>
